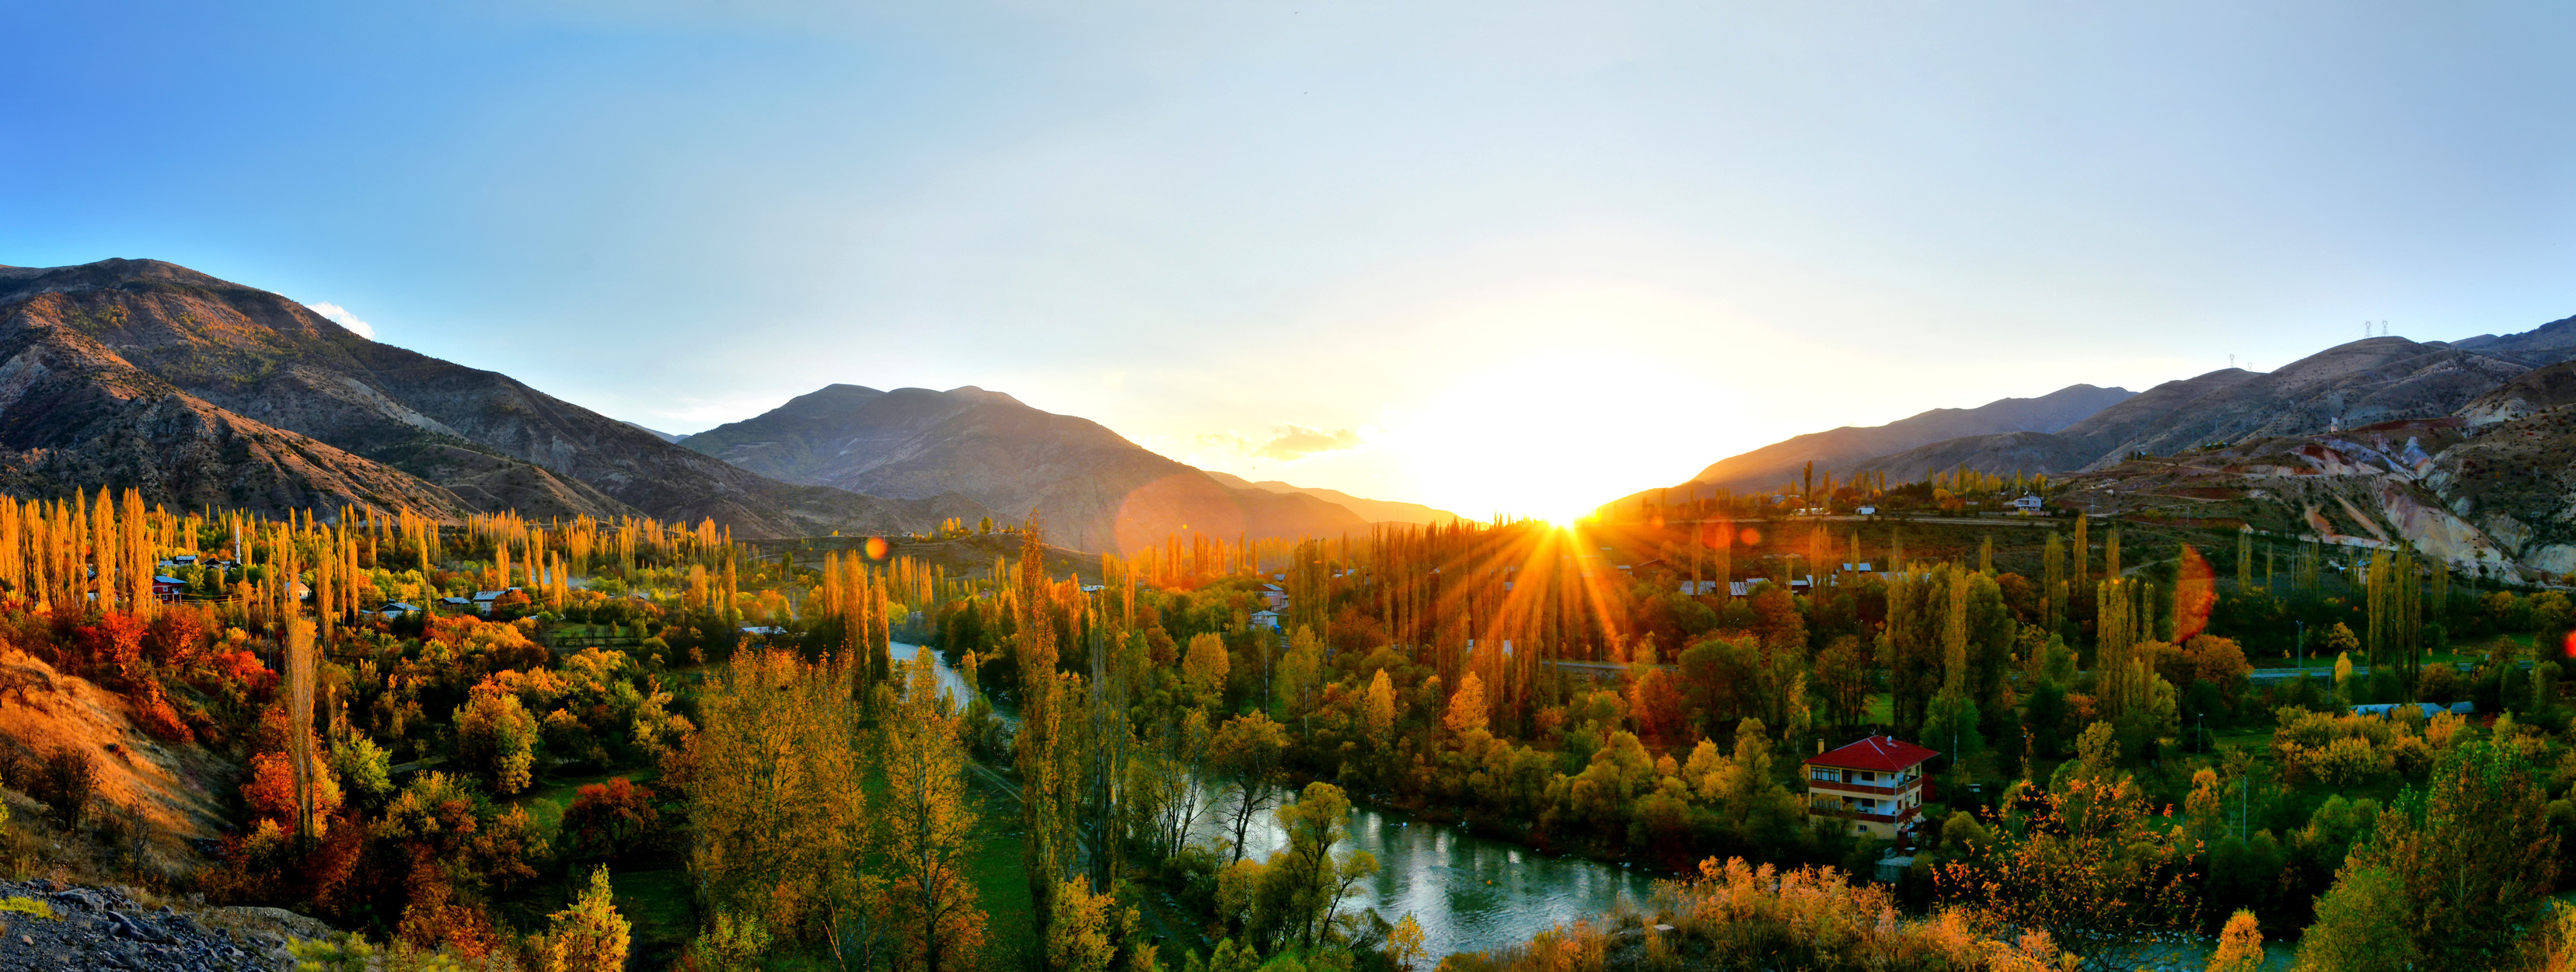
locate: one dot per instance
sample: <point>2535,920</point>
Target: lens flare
<point>876,548</point>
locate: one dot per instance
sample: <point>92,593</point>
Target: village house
<point>1876,783</point>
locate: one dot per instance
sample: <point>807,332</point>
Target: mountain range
<point>2462,448</point>
<point>201,391</point>
<point>1841,449</point>
<point>204,392</point>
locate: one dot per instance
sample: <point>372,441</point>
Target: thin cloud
<point>341,316</point>
<point>1296,442</point>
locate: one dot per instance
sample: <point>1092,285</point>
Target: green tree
<point>2451,873</point>
<point>1248,750</point>
<point>1306,876</point>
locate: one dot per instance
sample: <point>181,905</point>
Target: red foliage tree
<point>607,819</point>
<point>112,650</point>
<point>178,635</point>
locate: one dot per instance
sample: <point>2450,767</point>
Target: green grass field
<point>656,898</point>
<point>1011,938</point>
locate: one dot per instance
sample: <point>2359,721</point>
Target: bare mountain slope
<point>2365,382</point>
<point>1094,489</point>
<point>2547,344</point>
<point>481,436</point>
<point>1841,448</point>
<point>74,414</point>
<point>2027,452</point>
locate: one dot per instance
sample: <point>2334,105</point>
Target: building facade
<point>1876,784</point>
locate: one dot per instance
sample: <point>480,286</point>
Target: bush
<point>69,780</point>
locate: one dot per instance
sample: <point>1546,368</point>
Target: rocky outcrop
<point>108,929</point>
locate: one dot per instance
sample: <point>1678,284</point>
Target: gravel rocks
<point>102,928</point>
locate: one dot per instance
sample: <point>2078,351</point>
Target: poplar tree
<point>299,716</point>
<point>1047,852</point>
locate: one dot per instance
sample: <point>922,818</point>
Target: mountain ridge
<point>467,432</point>
<point>1775,463</point>
<point>1372,510</point>
<point>1094,489</point>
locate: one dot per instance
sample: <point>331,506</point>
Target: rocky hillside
<point>173,791</point>
<point>2547,344</point>
<point>1844,448</point>
<point>1094,489</point>
<point>269,395</point>
<point>2367,382</point>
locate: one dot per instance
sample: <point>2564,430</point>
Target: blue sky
<point>1490,256</point>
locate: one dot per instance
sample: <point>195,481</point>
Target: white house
<point>1266,619</point>
<point>2029,505</point>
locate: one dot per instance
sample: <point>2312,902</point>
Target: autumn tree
<point>608,819</point>
<point>496,736</point>
<point>1204,669</point>
<point>590,936</point>
<point>2090,860</point>
<point>924,827</point>
<point>1046,792</point>
<point>776,805</point>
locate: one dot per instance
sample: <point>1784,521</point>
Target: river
<point>1470,893</point>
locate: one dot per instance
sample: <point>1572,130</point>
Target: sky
<point>1496,257</point>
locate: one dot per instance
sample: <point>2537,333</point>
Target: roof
<point>1884,753</point>
<point>1260,613</point>
<point>158,579</point>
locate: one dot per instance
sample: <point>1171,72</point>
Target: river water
<point>1470,893</point>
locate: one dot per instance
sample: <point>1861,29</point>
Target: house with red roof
<point>1876,784</point>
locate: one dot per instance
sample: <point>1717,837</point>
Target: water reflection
<point>1470,893</point>
<point>951,685</point>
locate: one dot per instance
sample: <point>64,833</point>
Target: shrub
<point>69,780</point>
